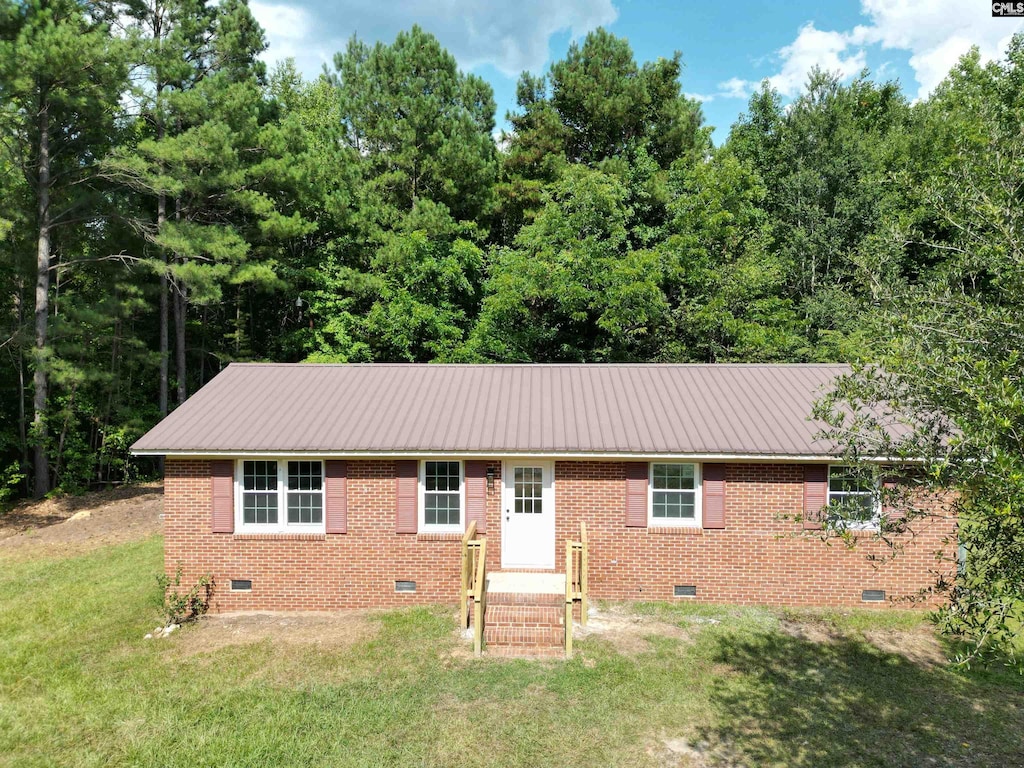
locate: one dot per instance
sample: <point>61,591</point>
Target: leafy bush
<point>183,604</point>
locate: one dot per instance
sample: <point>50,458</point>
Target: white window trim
<point>875,523</point>
<point>422,511</point>
<point>698,499</point>
<point>282,525</point>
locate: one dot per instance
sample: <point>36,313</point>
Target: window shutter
<point>889,485</point>
<point>476,494</point>
<point>406,496</point>
<point>636,494</point>
<point>713,478</point>
<point>222,476</point>
<point>336,496</point>
<point>815,494</point>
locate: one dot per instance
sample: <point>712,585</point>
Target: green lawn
<point>80,687</point>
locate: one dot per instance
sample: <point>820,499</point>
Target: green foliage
<point>421,128</point>
<point>949,351</point>
<point>184,603</point>
<point>572,288</point>
<point>607,106</point>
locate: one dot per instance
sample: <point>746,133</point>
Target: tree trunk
<point>41,380</point>
<point>22,417</point>
<point>180,305</point>
<point>161,218</point>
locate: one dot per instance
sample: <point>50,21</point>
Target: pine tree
<point>203,160</point>
<point>61,73</point>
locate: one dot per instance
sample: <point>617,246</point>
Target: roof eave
<point>505,454</point>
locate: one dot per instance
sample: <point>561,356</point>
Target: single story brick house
<point>305,487</point>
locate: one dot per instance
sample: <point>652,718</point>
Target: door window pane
<point>528,489</point>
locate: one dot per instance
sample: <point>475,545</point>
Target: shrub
<point>185,603</point>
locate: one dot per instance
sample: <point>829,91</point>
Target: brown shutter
<point>636,494</point>
<point>476,494</point>
<point>889,485</point>
<point>336,496</point>
<point>713,478</point>
<point>222,475</point>
<point>815,493</point>
<point>406,496</point>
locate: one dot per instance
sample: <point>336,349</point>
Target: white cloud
<point>704,98</point>
<point>816,48</point>
<point>937,33</point>
<point>291,34</point>
<point>509,36</point>
<point>735,88</point>
<point>812,47</point>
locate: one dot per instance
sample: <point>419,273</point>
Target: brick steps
<point>518,624</point>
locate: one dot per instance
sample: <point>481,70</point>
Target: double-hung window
<point>675,495</point>
<point>281,496</point>
<point>441,496</point>
<point>853,499</point>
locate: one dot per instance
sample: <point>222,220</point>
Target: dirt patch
<point>812,631</point>
<point>75,524</point>
<point>678,752</point>
<point>334,630</point>
<point>629,633</point>
<point>922,647</point>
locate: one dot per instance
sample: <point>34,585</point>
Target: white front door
<point>528,515</point>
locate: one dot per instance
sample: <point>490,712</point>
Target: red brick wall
<point>760,557</point>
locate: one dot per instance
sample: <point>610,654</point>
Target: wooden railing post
<point>568,599</point>
<point>584,566</point>
<point>478,593</point>
<point>467,575</point>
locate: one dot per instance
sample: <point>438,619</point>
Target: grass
<point>80,687</point>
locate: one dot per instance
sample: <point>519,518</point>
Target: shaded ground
<point>74,524</point>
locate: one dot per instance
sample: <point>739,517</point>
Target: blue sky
<point>727,47</point>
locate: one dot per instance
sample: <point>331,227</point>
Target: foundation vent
<point>873,595</point>
<point>405,586</point>
<point>684,590</point>
<point>241,585</point>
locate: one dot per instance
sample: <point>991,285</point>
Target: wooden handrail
<point>478,594</point>
<point>467,574</point>
<point>474,581</point>
<point>576,583</point>
<point>584,571</point>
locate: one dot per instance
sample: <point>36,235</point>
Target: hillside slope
<point>79,523</point>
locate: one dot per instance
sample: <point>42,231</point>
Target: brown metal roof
<point>739,410</point>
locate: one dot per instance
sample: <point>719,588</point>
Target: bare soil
<point>74,524</point>
<point>628,632</point>
<point>334,629</point>
<point>920,646</point>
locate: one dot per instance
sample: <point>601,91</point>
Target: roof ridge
<point>536,365</point>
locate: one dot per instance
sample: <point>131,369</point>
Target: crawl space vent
<point>685,590</point>
<point>241,585</point>
<point>873,595</point>
<point>405,586</point>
